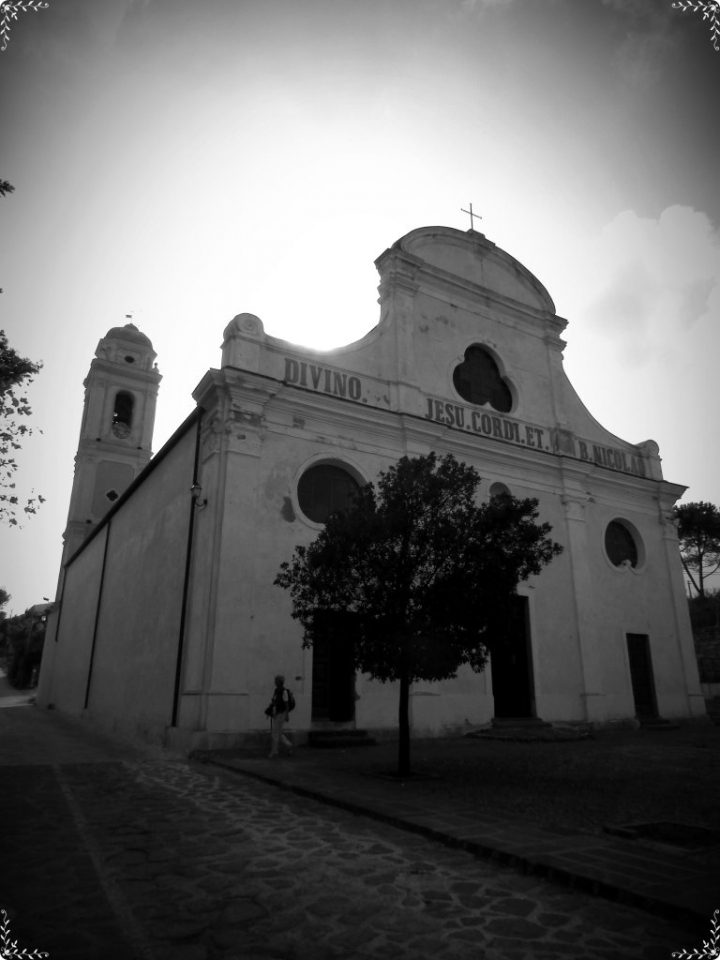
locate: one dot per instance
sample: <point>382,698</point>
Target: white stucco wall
<point>119,620</point>
<point>133,671</point>
<point>69,640</point>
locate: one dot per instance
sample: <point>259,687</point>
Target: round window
<point>620,545</point>
<point>325,489</point>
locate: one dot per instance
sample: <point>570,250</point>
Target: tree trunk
<point>404,726</point>
<point>698,589</point>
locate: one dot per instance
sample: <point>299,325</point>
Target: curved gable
<point>473,258</point>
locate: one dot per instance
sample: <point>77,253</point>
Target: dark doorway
<point>512,664</point>
<point>333,685</point>
<point>641,675</point>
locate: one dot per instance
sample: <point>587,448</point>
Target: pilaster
<point>592,693</point>
<point>682,628</point>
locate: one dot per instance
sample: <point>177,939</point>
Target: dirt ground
<point>614,777</point>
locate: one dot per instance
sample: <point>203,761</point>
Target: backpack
<point>270,711</point>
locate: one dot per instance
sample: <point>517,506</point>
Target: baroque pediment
<point>443,252</point>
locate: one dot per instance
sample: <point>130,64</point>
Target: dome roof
<point>128,332</point>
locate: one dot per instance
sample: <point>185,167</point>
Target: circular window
<point>325,489</point>
<point>620,545</point>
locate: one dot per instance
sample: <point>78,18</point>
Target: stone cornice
<point>344,418</point>
<point>435,282</point>
<point>458,292</point>
<point>101,369</point>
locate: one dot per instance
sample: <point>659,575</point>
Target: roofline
<point>139,479</point>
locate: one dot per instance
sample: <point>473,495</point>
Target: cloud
<point>646,29</point>
<point>632,8</point>
<point>474,6</point>
<point>642,55</point>
<point>661,283</point>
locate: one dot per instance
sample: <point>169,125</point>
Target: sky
<point>183,161</point>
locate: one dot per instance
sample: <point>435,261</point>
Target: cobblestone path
<point>164,859</point>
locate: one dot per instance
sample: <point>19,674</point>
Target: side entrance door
<point>511,661</point>
<point>641,675</point>
<point>333,683</point>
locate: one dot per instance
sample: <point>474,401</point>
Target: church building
<point>168,625</point>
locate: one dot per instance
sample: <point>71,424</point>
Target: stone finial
<point>241,338</point>
<point>651,451</point>
<point>244,324</point>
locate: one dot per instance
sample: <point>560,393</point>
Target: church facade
<point>168,623</point>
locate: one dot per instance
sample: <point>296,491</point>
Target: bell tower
<point>117,427</point>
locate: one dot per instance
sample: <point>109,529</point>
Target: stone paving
<point>668,879</point>
<point>153,857</point>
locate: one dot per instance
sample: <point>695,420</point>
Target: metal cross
<point>470,211</point>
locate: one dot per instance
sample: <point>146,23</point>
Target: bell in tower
<point>117,427</point>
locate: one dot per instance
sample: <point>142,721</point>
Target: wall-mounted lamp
<point>195,491</point>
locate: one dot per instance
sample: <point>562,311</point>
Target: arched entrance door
<point>333,684</point>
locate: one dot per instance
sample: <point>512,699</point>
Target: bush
<point>22,646</point>
<point>705,611</point>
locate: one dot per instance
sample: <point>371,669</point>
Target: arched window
<point>477,379</point>
<point>620,545</point>
<point>123,414</point>
<point>499,490</point>
<point>324,489</point>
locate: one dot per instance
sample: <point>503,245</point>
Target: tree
<point>4,599</point>
<point>699,539</point>
<point>16,373</point>
<point>423,574</point>
<point>5,189</point>
<point>23,640</point>
<point>705,612</point>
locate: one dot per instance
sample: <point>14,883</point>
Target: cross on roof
<point>470,211</point>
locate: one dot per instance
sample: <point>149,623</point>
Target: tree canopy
<point>425,573</point>
<point>16,373</point>
<point>699,539</point>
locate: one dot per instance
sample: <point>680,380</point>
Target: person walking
<point>279,712</point>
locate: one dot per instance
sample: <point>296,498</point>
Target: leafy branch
<point>710,948</point>
<point>16,373</point>
<point>9,948</point>
<point>9,9</point>
<point>710,11</point>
